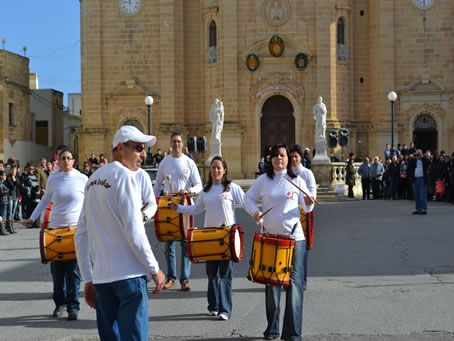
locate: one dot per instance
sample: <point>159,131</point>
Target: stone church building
<point>268,61</point>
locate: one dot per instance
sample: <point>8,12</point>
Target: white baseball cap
<point>130,133</point>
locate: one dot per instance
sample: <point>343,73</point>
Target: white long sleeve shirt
<point>110,232</point>
<point>66,190</point>
<point>283,198</point>
<point>219,206</point>
<point>146,187</point>
<point>308,177</point>
<point>184,175</point>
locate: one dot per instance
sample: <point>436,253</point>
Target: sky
<point>50,29</point>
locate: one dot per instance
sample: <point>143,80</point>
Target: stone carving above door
<point>276,12</point>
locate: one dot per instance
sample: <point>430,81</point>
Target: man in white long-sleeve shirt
<point>113,252</point>
<point>184,178</point>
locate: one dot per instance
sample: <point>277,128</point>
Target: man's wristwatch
<point>145,217</point>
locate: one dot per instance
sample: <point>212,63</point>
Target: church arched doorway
<point>277,123</point>
<point>425,135</point>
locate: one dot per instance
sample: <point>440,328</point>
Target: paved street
<point>376,273</point>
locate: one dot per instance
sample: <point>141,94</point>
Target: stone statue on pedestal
<point>217,121</point>
<point>320,129</point>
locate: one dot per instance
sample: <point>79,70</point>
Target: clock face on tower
<point>423,4</point>
<point>130,7</point>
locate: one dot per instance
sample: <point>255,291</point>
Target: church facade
<point>268,61</point>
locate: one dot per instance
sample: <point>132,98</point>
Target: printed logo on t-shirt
<point>185,171</point>
<point>290,195</point>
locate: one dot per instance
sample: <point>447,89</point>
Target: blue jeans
<point>66,277</point>
<point>185,270</point>
<point>305,261</point>
<point>12,207</point>
<point>122,310</point>
<point>220,286</point>
<point>3,209</point>
<point>420,194</point>
<point>293,315</point>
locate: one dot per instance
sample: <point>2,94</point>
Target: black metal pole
<point>149,156</point>
<point>392,129</point>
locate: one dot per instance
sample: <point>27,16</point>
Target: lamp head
<point>392,96</point>
<point>149,100</point>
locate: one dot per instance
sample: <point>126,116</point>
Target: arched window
<point>212,43</point>
<point>341,47</point>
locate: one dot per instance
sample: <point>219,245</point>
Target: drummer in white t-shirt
<point>184,178</point>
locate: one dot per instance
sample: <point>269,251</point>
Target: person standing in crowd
<point>261,166</point>
<point>187,153</point>
<point>350,175</point>
<point>66,190</point>
<point>439,173</point>
<point>364,173</point>
<point>113,251</point>
<point>49,167</point>
<point>102,160</point>
<point>451,178</point>
<point>218,200</point>
<point>307,158</point>
<point>185,179</point>
<point>4,199</point>
<point>30,185</point>
<point>94,161</point>
<point>412,149</point>
<point>86,170</point>
<point>398,150</point>
<point>393,173</point>
<point>387,152</point>
<point>41,174</point>
<point>417,169</point>
<point>404,150</point>
<point>376,174</point>
<point>296,156</point>
<point>158,158</point>
<point>284,219</point>
<point>14,185</point>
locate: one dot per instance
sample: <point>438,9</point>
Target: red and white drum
<point>215,243</point>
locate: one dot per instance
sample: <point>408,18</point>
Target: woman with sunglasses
<point>218,200</point>
<point>66,189</point>
<point>280,199</point>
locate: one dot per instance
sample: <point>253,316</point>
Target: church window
<point>212,46</point>
<point>341,46</point>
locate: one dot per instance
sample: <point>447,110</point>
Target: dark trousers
<point>365,184</point>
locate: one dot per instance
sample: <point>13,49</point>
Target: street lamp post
<point>392,96</point>
<point>149,101</point>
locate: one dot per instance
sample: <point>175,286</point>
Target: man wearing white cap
<point>113,252</point>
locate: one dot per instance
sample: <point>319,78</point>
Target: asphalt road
<point>376,273</point>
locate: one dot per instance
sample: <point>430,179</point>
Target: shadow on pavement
<point>42,321</point>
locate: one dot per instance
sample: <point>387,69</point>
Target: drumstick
<point>144,207</point>
<point>169,177</point>
<point>315,200</point>
<point>261,216</point>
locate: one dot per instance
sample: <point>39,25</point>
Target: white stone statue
<point>320,128</point>
<point>320,118</point>
<point>276,12</point>
<point>217,120</point>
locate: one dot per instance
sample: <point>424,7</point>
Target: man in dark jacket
<point>14,185</point>
<point>417,171</point>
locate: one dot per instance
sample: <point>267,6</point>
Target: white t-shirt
<point>219,206</point>
<point>110,232</point>
<point>66,190</point>
<point>146,187</point>
<point>283,198</point>
<point>184,175</point>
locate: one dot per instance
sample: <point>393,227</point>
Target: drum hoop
<point>41,247</point>
<point>185,199</point>
<point>233,229</point>
<point>282,241</point>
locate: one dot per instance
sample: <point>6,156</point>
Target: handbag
<point>439,187</point>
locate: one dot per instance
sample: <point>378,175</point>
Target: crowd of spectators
<point>387,178</point>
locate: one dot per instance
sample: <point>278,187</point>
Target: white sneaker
<point>223,316</point>
<point>212,313</point>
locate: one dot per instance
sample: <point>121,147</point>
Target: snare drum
<point>215,243</point>
<point>57,245</point>
<point>271,259</point>
<point>307,222</point>
<point>169,224</point>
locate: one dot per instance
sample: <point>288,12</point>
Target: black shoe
<point>423,212</point>
<point>72,315</point>
<point>271,337</point>
<point>416,212</point>
<point>58,311</point>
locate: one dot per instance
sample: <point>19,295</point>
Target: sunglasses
<point>137,147</point>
